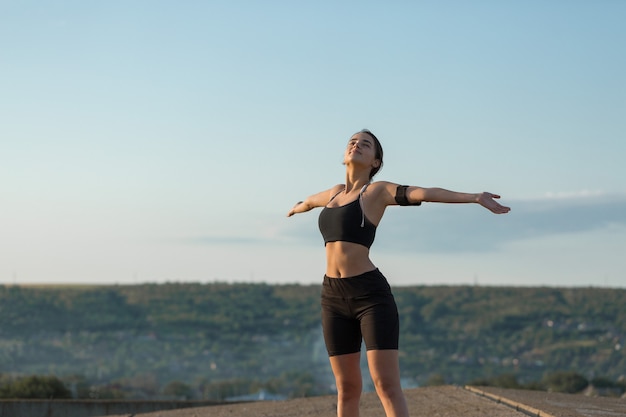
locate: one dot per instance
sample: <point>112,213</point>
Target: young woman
<point>357,303</point>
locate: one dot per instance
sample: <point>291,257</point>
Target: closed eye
<point>365,143</point>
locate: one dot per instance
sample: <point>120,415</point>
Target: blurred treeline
<point>217,340</point>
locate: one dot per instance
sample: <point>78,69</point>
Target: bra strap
<point>333,197</point>
<point>361,204</point>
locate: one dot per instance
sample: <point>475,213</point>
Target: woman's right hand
<point>293,209</point>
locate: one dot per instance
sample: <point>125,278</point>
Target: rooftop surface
<point>443,401</point>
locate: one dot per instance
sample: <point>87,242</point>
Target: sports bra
<point>347,223</point>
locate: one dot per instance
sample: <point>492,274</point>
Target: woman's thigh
<point>347,371</point>
<point>384,367</point>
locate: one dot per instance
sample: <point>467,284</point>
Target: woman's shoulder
<point>383,191</point>
<point>382,185</point>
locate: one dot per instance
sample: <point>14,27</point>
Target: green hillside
<point>219,339</point>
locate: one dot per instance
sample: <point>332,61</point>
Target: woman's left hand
<point>487,200</point>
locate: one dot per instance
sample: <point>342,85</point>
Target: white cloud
<point>574,194</point>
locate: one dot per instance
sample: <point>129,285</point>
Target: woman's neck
<point>355,180</point>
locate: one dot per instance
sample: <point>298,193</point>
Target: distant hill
<point>215,336</point>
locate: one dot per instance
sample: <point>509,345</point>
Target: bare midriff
<point>346,259</point>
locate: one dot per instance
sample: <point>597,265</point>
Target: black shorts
<point>359,308</point>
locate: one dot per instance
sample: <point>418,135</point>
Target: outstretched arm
<point>300,207</point>
<point>313,201</point>
<point>440,195</point>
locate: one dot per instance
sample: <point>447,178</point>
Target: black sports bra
<point>347,223</point>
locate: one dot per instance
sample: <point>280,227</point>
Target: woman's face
<point>362,149</point>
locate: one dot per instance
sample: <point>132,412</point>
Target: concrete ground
<point>554,404</point>
<point>444,401</point>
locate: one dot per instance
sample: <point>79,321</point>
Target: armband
<point>401,198</point>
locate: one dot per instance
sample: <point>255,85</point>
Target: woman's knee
<point>349,388</point>
<point>385,371</point>
<point>387,386</point>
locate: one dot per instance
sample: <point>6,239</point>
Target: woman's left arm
<point>440,195</point>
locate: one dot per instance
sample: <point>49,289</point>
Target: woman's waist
<point>340,267</point>
<point>366,285</point>
<point>347,260</point>
<point>333,273</point>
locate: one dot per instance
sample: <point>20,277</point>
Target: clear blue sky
<point>152,141</point>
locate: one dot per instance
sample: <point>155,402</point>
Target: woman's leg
<point>347,371</point>
<point>385,372</point>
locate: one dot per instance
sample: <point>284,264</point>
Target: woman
<point>357,302</point>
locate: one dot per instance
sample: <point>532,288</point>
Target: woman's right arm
<point>316,200</point>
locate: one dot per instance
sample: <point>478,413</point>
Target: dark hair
<point>379,151</point>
